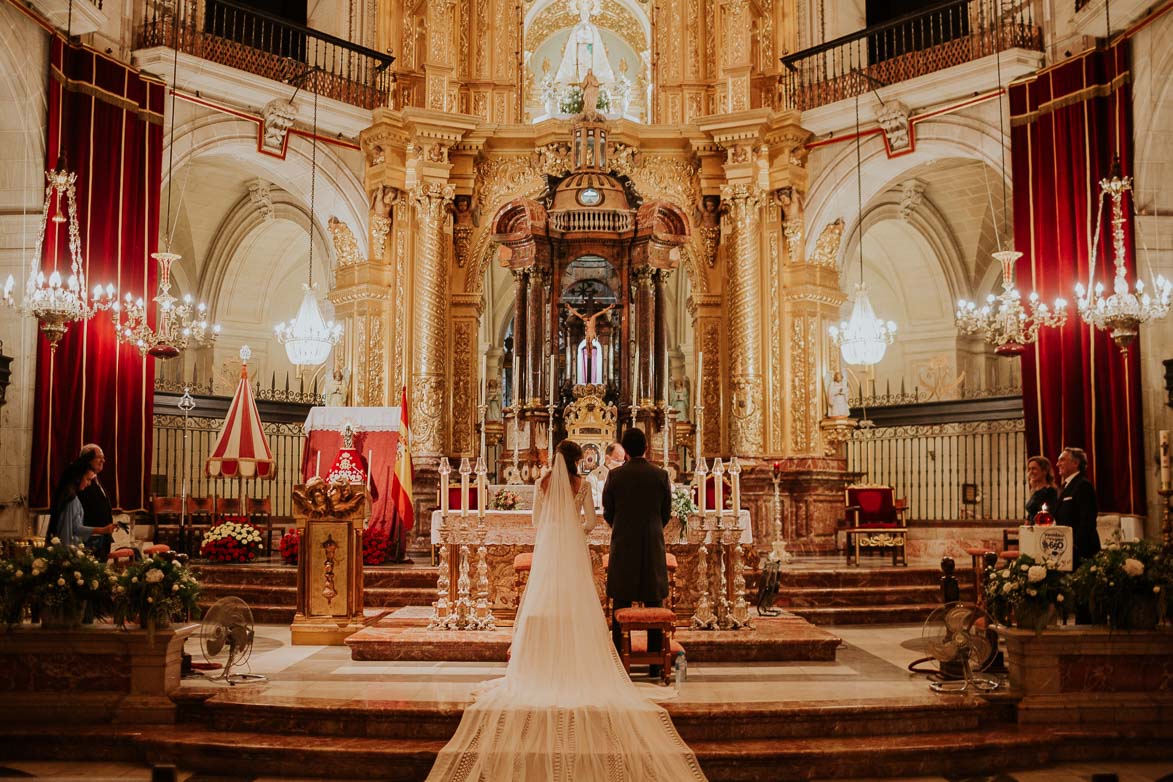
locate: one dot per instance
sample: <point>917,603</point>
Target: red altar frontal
<point>375,438</point>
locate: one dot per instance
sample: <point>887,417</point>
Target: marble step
<point>863,615</point>
<point>870,577</point>
<point>864,597</point>
<point>379,576</point>
<point>375,597</point>
<point>696,722</point>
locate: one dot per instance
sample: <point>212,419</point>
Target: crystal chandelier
<point>1121,313</point>
<point>864,338</point>
<point>178,326</point>
<point>308,338</point>
<point>1004,321</point>
<point>55,302</point>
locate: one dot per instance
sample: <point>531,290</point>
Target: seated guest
<point>95,503</point>
<point>1077,506</point>
<point>66,516</point>
<point>1040,477</point>
<point>613,456</point>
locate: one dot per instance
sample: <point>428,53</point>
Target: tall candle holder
<point>464,605</point>
<point>702,617</point>
<point>739,617</point>
<point>483,618</point>
<point>721,592</point>
<point>441,609</point>
<point>778,552</point>
<point>669,412</point>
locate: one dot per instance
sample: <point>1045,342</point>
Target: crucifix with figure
<point>591,333</point>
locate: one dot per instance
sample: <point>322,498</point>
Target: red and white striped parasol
<point>241,450</point>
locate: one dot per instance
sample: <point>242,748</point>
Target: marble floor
<point>871,664</point>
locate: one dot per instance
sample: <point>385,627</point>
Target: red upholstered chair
<point>875,520</point>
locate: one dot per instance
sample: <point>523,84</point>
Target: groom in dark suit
<point>637,503</point>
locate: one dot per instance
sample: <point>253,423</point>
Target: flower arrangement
<point>231,541</point>
<point>683,506</point>
<point>155,592</point>
<point>1126,585</point>
<point>62,581</point>
<point>376,547</point>
<point>1027,592</point>
<point>571,102</point>
<point>290,546</point>
<point>505,500</point>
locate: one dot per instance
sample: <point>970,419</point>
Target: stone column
<point>520,323</point>
<point>430,292</point>
<point>646,334</point>
<point>745,344</point>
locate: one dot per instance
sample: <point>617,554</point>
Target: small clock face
<point>589,197</point>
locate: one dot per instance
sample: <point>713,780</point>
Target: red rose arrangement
<point>290,546</point>
<point>376,547</point>
<point>231,542</point>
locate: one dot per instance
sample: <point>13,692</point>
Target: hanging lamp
<point>864,338</point>
<point>1003,321</point>
<point>179,324</point>
<point>308,338</point>
<point>55,301</point>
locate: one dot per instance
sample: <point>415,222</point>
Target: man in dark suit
<point>637,503</point>
<point>1077,503</point>
<point>94,502</point>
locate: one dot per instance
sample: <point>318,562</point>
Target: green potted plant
<point>155,592</point>
<point>1125,585</point>
<point>1027,594</point>
<point>62,582</point>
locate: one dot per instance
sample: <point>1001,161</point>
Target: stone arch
<point>832,191</point>
<point>339,189</point>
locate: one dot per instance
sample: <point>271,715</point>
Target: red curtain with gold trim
<point>1068,123</point>
<point>107,120</point>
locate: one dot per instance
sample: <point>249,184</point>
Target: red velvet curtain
<point>1069,123</point>
<point>107,120</point>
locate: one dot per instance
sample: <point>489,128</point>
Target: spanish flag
<point>401,479</point>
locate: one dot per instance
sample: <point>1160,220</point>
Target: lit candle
<point>464,488</point>
<point>718,487</point>
<point>444,470</point>
<point>484,377</point>
<point>551,398</point>
<point>1163,439</point>
<point>318,465</point>
<point>736,472</point>
<point>482,489</point>
<point>701,487</point>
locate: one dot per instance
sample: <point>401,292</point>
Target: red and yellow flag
<point>401,480</point>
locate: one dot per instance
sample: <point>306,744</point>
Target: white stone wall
<point>23,54</point>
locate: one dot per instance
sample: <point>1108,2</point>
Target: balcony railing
<point>244,38</point>
<point>593,220</point>
<point>946,34</point>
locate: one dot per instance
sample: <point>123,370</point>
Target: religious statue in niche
<point>590,358</point>
<point>584,51</point>
<point>383,200</point>
<point>679,399</point>
<point>837,396</point>
<point>336,387</point>
<point>493,399</point>
<point>709,220</point>
<point>463,222</point>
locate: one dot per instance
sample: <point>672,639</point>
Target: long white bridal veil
<point>565,711</point>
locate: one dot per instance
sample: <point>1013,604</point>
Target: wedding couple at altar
<point>566,710</point>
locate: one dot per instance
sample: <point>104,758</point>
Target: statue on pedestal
<point>336,388</point>
<point>837,397</point>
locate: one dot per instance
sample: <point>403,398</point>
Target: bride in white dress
<point>566,710</point>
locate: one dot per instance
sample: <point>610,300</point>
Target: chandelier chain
<point>313,180</point>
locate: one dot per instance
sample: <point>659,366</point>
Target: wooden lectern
<point>330,518</point>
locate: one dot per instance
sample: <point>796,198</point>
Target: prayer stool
<point>120,559</point>
<point>521,567</point>
<point>669,560</point>
<point>639,645</point>
<point>662,619</point>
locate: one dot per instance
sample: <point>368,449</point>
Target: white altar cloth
<point>1054,542</point>
<point>363,419</point>
<point>515,528</point>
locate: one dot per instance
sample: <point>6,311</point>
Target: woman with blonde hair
<point>1040,477</point>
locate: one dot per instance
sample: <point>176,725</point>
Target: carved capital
<point>743,202</point>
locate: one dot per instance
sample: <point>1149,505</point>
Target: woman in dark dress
<point>1040,477</point>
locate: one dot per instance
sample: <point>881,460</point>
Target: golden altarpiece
<point>591,213</point>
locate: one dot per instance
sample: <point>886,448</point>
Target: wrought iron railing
<point>271,393</point>
<point>173,459</point>
<point>952,470</point>
<point>250,40</point>
<point>946,34</point>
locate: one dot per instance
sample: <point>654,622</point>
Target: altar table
<point>376,437</point>
<point>509,533</point>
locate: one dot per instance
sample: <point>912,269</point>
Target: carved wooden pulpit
<point>330,518</point>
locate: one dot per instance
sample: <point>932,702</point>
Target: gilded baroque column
<point>745,345</point>
<point>646,337</point>
<point>661,374</point>
<point>430,293</point>
<point>520,322</point>
<point>535,335</point>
